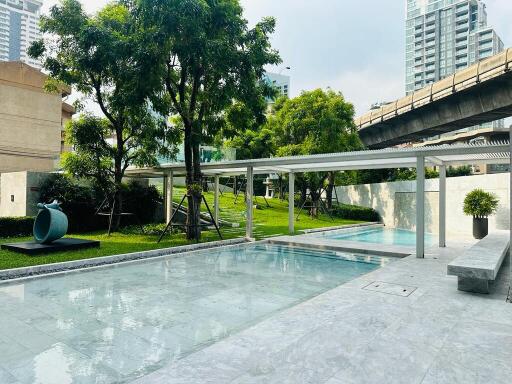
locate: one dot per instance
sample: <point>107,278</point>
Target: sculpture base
<point>67,244</point>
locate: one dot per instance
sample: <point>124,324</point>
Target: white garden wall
<point>396,201</point>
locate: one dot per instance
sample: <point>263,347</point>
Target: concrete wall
<point>30,120</point>
<point>396,202</point>
<point>19,193</point>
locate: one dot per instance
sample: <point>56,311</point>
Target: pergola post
<point>216,200</point>
<point>442,206</point>
<point>168,187</point>
<point>510,207</point>
<point>420,207</point>
<point>291,203</point>
<point>249,192</point>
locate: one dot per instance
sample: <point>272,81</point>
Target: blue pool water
<point>381,235</point>
<point>115,324</point>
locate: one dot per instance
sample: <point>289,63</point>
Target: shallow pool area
<point>379,235</point>
<point>118,323</point>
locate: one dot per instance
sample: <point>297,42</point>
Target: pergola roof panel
<point>496,152</point>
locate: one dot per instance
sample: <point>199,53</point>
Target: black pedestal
<point>66,244</point>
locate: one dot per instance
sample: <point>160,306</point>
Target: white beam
<point>249,206</point>
<point>420,207</point>
<point>216,206</point>
<point>291,203</point>
<point>442,206</point>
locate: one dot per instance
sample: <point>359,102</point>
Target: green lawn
<point>115,244</point>
<point>267,222</point>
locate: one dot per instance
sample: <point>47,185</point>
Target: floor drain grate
<point>390,289</point>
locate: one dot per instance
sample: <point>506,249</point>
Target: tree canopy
<point>209,61</point>
<point>313,123</point>
<point>107,58</point>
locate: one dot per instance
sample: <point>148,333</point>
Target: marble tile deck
<point>349,334</point>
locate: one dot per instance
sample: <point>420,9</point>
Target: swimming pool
<point>117,323</point>
<point>380,235</point>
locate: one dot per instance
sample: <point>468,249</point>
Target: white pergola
<point>419,158</point>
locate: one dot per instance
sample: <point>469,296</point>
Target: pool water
<point>381,235</point>
<point>115,324</point>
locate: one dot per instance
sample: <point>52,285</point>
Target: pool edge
<point>36,271</point>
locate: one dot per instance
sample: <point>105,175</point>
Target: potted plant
<point>480,205</point>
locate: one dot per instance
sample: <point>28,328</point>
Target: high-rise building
<point>280,82</point>
<point>19,27</point>
<point>443,37</point>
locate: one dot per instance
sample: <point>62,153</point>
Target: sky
<point>355,47</point>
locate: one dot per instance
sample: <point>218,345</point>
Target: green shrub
<point>141,200</point>
<point>16,226</point>
<point>78,201</point>
<point>355,212</point>
<point>480,204</point>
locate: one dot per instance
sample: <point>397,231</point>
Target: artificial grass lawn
<point>268,222</point>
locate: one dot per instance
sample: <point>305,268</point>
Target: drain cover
<point>390,289</point>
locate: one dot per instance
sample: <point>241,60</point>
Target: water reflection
<point>117,324</point>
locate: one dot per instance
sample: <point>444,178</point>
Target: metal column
<point>291,203</point>
<point>420,207</point>
<point>510,222</point>
<point>442,206</point>
<point>250,193</point>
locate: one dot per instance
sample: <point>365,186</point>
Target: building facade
<point>280,82</point>
<point>19,27</point>
<point>31,120</point>
<point>443,37</point>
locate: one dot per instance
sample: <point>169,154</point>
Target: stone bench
<point>480,264</point>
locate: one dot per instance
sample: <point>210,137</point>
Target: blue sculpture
<point>51,223</point>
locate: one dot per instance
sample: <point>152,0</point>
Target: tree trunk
<point>315,197</point>
<point>303,193</point>
<point>194,183</point>
<point>117,199</point>
<point>194,197</point>
<point>118,209</point>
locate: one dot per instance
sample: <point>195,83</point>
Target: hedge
<point>16,226</point>
<point>355,212</point>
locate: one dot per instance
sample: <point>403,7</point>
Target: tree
<point>108,60</point>
<point>315,122</point>
<point>210,60</point>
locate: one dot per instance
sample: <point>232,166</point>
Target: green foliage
<point>211,65</point>
<point>315,122</point>
<point>463,170</point>
<point>16,226</point>
<point>253,144</point>
<point>400,174</point>
<point>355,212</point>
<point>108,59</point>
<point>78,201</point>
<point>141,200</point>
<point>480,204</point>
<point>81,199</point>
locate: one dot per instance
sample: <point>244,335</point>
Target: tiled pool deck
<point>431,334</point>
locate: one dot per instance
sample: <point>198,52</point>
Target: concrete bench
<point>480,264</point>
